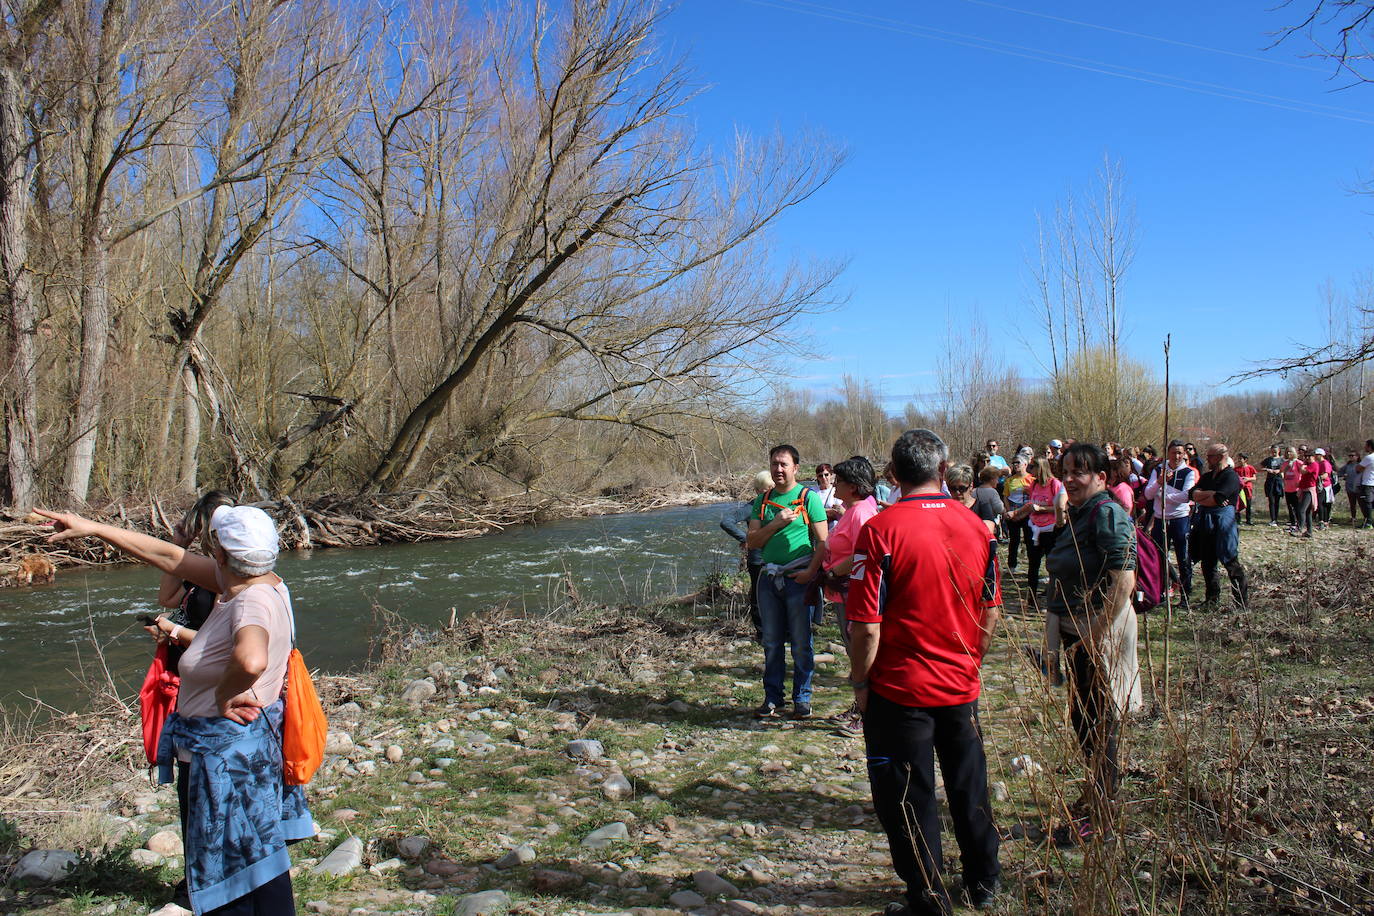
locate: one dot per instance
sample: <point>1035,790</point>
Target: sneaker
<point>850,725</point>
<point>767,711</point>
<point>801,710</point>
<point>1273,524</point>
<point>983,895</point>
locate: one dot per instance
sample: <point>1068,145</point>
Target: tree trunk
<point>190,433</point>
<point>95,338</point>
<point>16,297</point>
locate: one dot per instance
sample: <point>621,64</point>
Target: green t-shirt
<point>794,540</point>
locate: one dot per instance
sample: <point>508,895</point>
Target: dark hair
<point>1369,444</point>
<point>1173,443</point>
<point>1149,450</point>
<point>858,473</point>
<point>822,468</point>
<point>1087,457</point>
<point>1123,468</point>
<point>1242,456</point>
<point>789,449</point>
<point>989,474</point>
<point>917,456</point>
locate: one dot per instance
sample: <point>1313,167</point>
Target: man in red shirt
<point>923,601</point>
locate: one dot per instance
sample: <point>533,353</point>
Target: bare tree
<point>20,27</point>
<point>1078,277</point>
<point>285,85</point>
<point>593,227</point>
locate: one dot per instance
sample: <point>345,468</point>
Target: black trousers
<point>902,743</point>
<point>1275,496</point>
<point>1016,533</point>
<point>1095,721</point>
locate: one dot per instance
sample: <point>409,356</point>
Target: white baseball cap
<point>1321,451</point>
<point>247,534</point>
<point>1055,443</point>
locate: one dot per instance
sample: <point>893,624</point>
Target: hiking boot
<point>801,711</point>
<point>767,711</point>
<point>983,895</point>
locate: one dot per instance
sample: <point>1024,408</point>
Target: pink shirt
<point>840,545</point>
<point>204,663</point>
<point>1124,495</point>
<point>1045,494</point>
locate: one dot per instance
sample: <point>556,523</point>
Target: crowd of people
<point>910,560</point>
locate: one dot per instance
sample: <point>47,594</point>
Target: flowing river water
<point>49,634</point>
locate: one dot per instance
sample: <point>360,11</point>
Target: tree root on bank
<point>343,522</point>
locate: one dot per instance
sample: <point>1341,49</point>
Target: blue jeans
<point>1179,529</point>
<point>785,616</point>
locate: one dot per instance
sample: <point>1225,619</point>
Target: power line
<point>1168,81</point>
<point>1159,38</point>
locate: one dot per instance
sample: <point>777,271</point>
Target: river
<point>48,634</point>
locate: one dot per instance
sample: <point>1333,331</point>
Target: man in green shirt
<point>788,525</point>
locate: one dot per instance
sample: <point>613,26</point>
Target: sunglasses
<point>958,489</point>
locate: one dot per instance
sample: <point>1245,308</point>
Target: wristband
<point>176,631</point>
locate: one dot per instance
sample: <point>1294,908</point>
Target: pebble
<point>45,865</point>
<point>687,900</point>
<point>413,847</point>
<point>585,748</point>
<point>165,843</point>
<point>387,865</point>
<point>617,787</point>
<point>443,744</point>
<point>345,858</point>
<point>347,712</point>
<point>417,778</point>
<point>1023,765</point>
<point>520,855</point>
<point>146,857</point>
<point>999,790</point>
<point>713,885</point>
<point>170,909</point>
<point>417,692</point>
<point>337,742</point>
<point>679,707</point>
<point>602,837</point>
<point>486,903</point>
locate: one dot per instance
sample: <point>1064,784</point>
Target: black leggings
<point>1275,496</point>
<point>1300,509</point>
<point>1036,552</point>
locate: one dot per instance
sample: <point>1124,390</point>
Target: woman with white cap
<point>227,725</point>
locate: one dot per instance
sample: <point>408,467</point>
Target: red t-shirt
<point>926,571</point>
<point>1310,472</point>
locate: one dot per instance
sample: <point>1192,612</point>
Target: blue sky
<point>1244,210</point>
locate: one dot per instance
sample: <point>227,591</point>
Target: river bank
<point>455,772</point>
<point>336,522</point>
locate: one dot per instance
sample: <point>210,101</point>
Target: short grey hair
<point>762,481</point>
<point>917,456</point>
<point>959,474</point>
